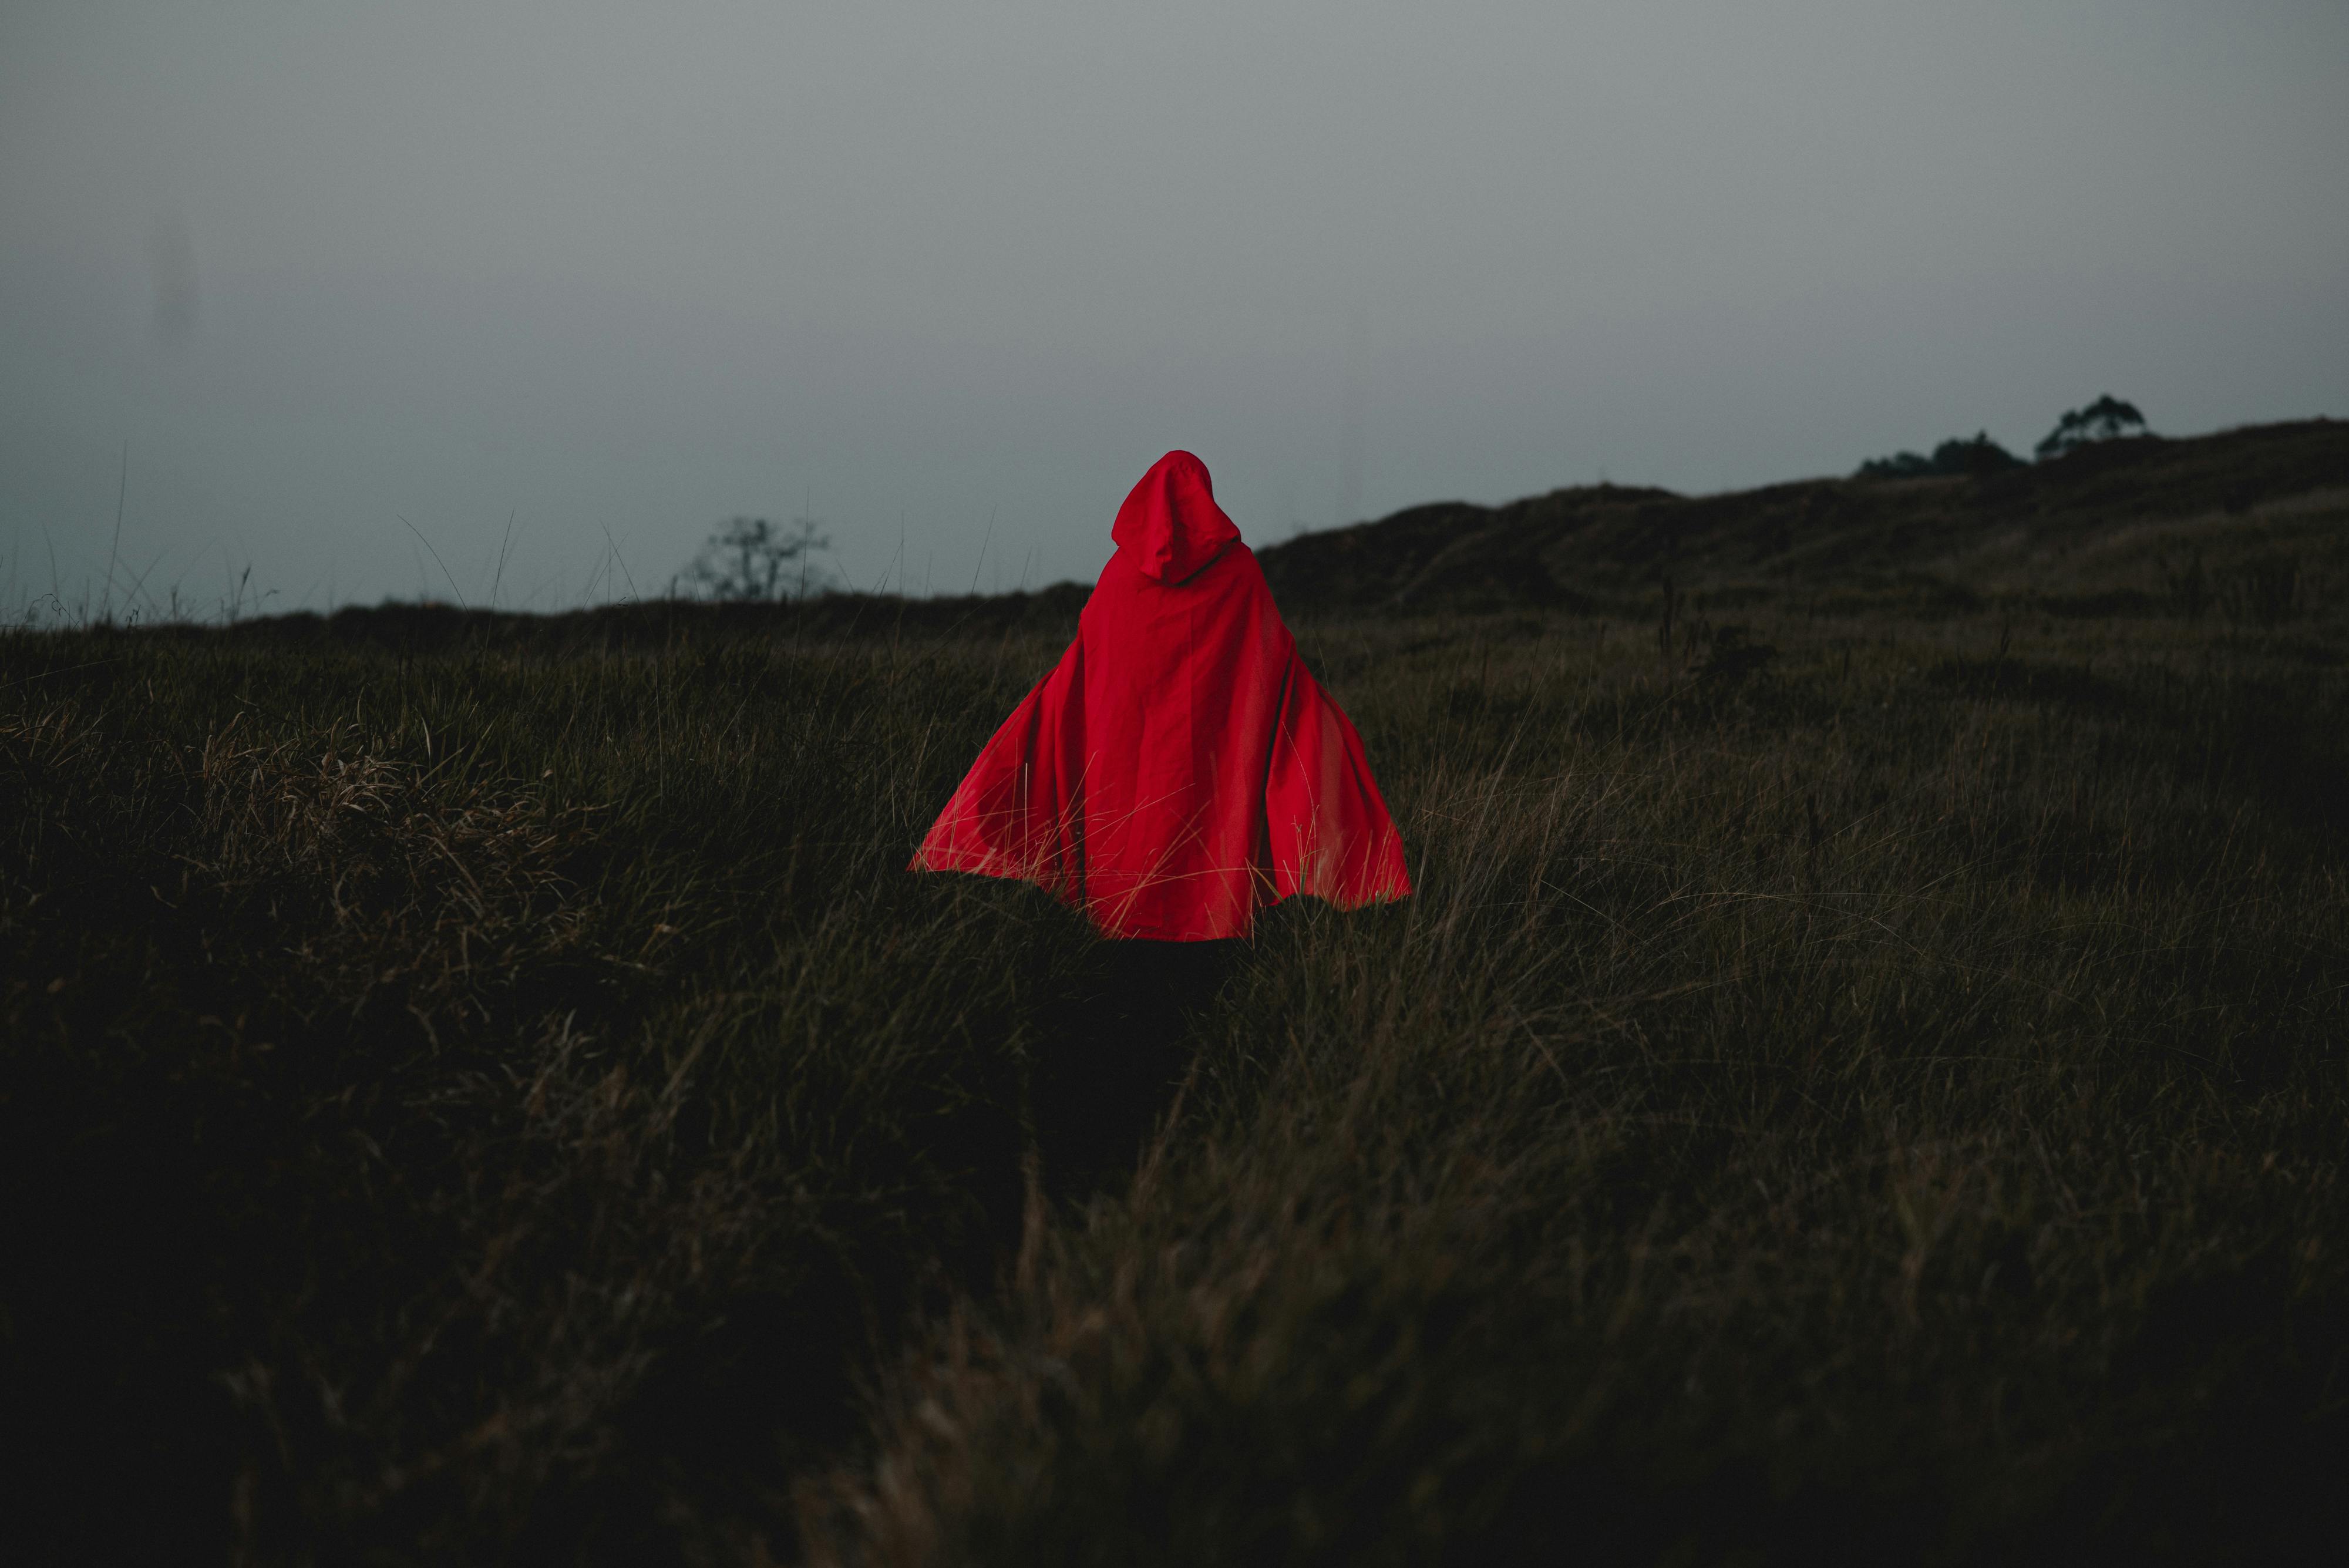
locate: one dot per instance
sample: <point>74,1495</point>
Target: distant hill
<point>2251,523</point>
<point>2110,526</point>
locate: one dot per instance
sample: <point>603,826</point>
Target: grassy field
<point>1856,1082</point>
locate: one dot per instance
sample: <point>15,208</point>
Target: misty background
<point>949,277</point>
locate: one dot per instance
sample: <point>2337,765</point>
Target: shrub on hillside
<point>1954,456</point>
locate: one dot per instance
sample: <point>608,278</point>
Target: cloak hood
<point>1170,525</point>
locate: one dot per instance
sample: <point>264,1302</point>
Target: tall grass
<point>510,1102</point>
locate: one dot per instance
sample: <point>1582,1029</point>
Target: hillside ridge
<point>2101,518</point>
<point>2252,521</point>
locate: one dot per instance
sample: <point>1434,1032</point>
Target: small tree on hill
<point>2107,419</point>
<point>749,560</point>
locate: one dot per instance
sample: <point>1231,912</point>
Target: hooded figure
<point>1180,768</point>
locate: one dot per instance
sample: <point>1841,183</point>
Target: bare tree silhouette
<point>752,560</point>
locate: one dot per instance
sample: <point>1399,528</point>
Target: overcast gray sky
<point>951,275</point>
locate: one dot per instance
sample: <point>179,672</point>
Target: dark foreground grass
<point>511,1105</point>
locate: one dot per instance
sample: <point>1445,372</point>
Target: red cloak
<point>1180,768</point>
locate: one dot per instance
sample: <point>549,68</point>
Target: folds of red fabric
<point>1180,768</point>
